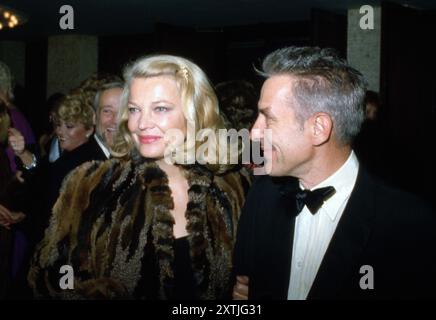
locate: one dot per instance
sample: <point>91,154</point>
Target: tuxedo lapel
<point>275,226</point>
<point>282,239</point>
<point>283,236</point>
<point>342,256</point>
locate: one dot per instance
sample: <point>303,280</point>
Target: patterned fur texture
<point>107,214</point>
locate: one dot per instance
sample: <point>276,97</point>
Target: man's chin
<point>273,173</point>
<point>107,137</point>
<point>108,141</point>
<point>274,169</point>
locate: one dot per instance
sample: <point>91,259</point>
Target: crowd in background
<point>93,191</point>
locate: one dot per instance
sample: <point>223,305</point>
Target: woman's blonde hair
<point>74,108</point>
<point>199,102</point>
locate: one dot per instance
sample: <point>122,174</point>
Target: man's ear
<point>321,128</point>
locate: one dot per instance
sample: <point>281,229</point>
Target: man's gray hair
<point>107,86</point>
<point>325,83</point>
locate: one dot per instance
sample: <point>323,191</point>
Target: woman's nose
<point>145,121</point>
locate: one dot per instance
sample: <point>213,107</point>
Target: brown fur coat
<point>109,212</point>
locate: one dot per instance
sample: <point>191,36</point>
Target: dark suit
<point>70,160</point>
<point>390,230</point>
<point>47,181</point>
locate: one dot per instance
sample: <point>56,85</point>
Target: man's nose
<point>113,119</point>
<point>257,131</point>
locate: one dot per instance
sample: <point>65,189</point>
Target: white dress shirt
<point>105,150</point>
<point>312,233</point>
<point>55,150</point>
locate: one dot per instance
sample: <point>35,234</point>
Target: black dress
<point>182,286</point>
<point>183,275</point>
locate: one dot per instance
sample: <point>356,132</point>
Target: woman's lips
<point>148,139</point>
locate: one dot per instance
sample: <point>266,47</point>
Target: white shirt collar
<point>102,146</point>
<point>343,181</point>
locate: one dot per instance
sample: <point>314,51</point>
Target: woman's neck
<point>171,170</point>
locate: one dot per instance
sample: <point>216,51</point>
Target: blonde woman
<point>138,226</point>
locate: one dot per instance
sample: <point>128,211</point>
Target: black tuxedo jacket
<point>70,160</point>
<point>387,229</point>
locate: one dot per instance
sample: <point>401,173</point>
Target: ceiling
<point>106,17</point>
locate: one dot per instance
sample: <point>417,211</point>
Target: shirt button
<point>299,264</point>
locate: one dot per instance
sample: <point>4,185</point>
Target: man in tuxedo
<point>319,226</point>
<point>106,104</point>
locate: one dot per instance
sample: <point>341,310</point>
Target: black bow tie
<point>297,198</point>
<point>312,199</point>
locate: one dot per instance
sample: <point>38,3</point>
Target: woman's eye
<point>69,126</point>
<point>133,109</point>
<point>161,109</point>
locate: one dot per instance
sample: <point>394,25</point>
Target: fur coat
<point>108,216</point>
